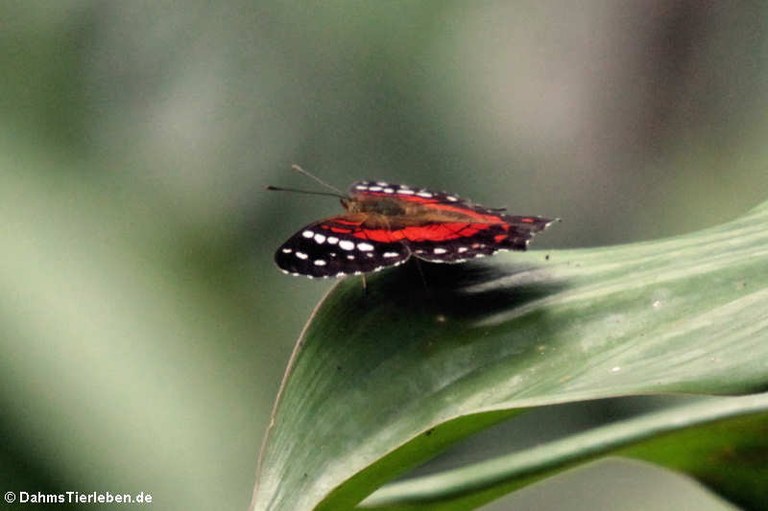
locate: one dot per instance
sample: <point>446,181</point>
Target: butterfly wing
<point>450,229</point>
<point>336,247</point>
<point>479,240</point>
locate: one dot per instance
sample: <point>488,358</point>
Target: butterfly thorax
<point>375,205</point>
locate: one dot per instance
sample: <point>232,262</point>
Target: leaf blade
<point>647,438</point>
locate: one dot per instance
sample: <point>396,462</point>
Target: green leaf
<point>382,381</point>
<point>722,442</point>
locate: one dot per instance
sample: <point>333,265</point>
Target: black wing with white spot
<point>405,192</point>
<point>514,233</point>
<point>322,250</point>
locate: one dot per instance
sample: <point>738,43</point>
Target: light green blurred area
<point>143,326</point>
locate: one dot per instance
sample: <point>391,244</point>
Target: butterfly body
<point>385,224</point>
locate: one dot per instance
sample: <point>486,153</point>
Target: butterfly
<point>386,224</point>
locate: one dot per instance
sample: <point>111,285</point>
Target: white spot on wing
<point>307,234</point>
<point>426,195</point>
<point>390,254</point>
<point>346,245</point>
<point>405,192</point>
<point>439,250</point>
<point>301,255</point>
<point>389,190</point>
<point>333,240</point>
<point>365,247</point>
<point>461,250</point>
<point>374,189</point>
<point>319,238</point>
<point>320,262</point>
<point>287,250</point>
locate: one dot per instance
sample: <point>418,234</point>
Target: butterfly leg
<point>421,274</point>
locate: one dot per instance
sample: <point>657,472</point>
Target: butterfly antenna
<point>305,192</point>
<point>316,179</point>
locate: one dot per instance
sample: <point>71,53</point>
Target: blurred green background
<point>143,326</point>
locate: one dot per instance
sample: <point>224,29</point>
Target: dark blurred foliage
<point>143,327</point>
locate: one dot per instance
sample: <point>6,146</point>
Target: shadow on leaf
<point>466,291</point>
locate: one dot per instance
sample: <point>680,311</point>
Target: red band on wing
<point>430,232</point>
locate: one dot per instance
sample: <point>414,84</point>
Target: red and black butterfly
<point>385,224</point>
